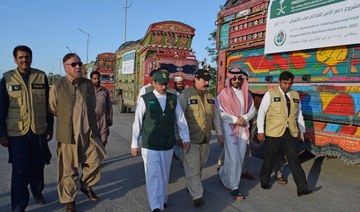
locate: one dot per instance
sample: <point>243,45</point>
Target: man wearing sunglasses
<point>236,108</point>
<point>25,127</point>
<point>72,101</point>
<point>198,105</point>
<point>155,117</point>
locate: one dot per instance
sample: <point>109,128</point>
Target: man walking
<point>103,110</point>
<point>155,116</point>
<point>72,100</point>
<point>25,127</point>
<point>236,108</point>
<point>280,111</point>
<point>198,106</point>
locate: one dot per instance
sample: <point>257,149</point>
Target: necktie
<point>287,103</point>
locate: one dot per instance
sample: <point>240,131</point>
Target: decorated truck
<point>165,44</point>
<point>105,64</point>
<point>319,44</point>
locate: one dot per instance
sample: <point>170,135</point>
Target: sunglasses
<point>239,78</point>
<point>161,84</point>
<point>75,63</point>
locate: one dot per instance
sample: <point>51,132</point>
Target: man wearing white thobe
<point>236,108</point>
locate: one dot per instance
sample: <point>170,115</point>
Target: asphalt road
<point>122,187</point>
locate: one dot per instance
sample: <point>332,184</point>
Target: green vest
<point>198,114</point>
<point>158,126</point>
<point>27,103</point>
<point>65,107</point>
<point>277,116</point>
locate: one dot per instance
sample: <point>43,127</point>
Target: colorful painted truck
<point>165,44</point>
<point>328,78</point>
<point>105,64</point>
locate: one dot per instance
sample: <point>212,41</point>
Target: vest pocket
<point>15,99</point>
<point>39,96</point>
<point>194,109</point>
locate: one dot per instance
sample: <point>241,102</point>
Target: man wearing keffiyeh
<point>235,107</point>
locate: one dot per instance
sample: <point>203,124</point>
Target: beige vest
<point>277,118</point>
<point>27,103</point>
<point>66,101</point>
<point>199,115</point>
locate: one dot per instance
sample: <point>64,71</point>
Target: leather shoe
<point>156,210</point>
<point>40,199</point>
<point>90,194</point>
<point>70,207</point>
<point>265,186</point>
<point>247,176</point>
<point>199,202</point>
<point>305,192</point>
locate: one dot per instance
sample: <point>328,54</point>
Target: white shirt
<point>139,114</point>
<point>264,107</point>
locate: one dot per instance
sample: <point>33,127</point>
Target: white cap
<point>178,79</point>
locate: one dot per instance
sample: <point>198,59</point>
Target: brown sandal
<point>237,195</point>
<point>281,180</point>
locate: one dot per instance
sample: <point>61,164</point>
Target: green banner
<point>224,36</point>
<point>281,8</point>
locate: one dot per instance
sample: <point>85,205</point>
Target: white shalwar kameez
<point>235,149</point>
<point>157,162</point>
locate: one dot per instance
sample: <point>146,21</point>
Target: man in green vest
<point>198,105</point>
<point>281,116</point>
<point>72,100</point>
<point>156,114</point>
<point>25,127</point>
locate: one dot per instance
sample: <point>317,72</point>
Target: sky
<point>51,27</point>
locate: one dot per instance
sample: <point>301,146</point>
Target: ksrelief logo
<point>280,38</point>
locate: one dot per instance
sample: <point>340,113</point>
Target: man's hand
<point>301,137</point>
<point>220,139</point>
<point>179,143</point>
<point>186,146</point>
<point>49,135</point>
<point>110,122</point>
<point>4,141</point>
<point>241,121</point>
<point>261,137</point>
<point>134,151</point>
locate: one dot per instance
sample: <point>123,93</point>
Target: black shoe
<point>305,192</point>
<point>70,207</point>
<point>247,176</point>
<point>90,194</point>
<point>199,202</point>
<point>265,186</point>
<point>156,210</point>
<point>40,199</point>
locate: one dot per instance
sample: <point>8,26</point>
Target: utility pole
<point>87,44</point>
<point>126,7</point>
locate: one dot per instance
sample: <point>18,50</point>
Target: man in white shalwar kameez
<point>236,108</point>
<point>156,114</point>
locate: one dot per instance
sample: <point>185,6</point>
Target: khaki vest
<point>65,107</point>
<point>27,103</point>
<point>277,118</point>
<point>199,115</point>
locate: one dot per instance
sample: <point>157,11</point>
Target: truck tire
<point>122,107</point>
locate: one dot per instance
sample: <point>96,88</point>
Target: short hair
<point>69,55</point>
<point>286,75</point>
<point>22,48</point>
<point>94,72</point>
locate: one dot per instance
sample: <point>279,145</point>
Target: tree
<point>213,54</point>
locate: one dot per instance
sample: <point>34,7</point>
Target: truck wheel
<point>122,107</point>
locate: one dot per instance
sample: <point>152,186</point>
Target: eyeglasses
<point>161,84</point>
<point>75,63</point>
<point>239,78</point>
